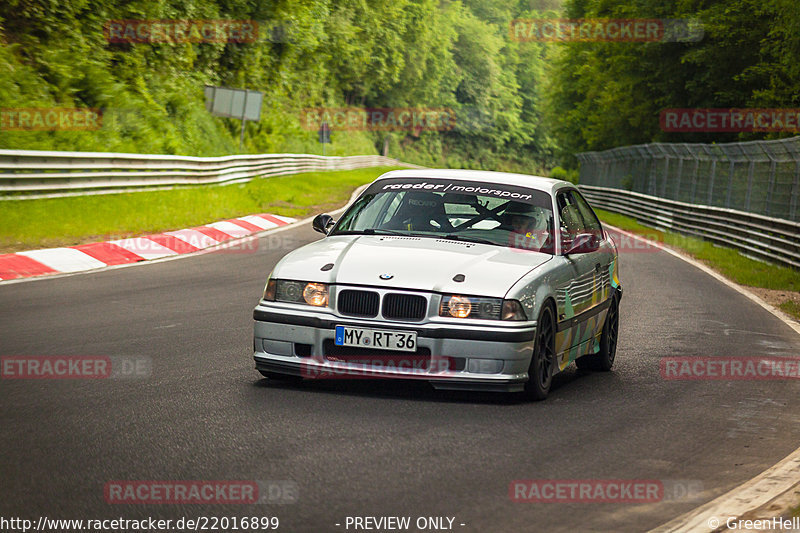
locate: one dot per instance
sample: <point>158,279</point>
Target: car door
<point>578,298</point>
<point>601,262</point>
<point>604,256</point>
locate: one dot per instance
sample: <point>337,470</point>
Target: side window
<point>569,216</point>
<point>590,221</point>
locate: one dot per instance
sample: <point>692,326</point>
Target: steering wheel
<point>486,213</point>
<point>444,223</point>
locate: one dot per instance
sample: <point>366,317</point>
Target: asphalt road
<point>373,448</point>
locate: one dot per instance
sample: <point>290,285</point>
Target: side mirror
<point>583,243</point>
<point>323,223</point>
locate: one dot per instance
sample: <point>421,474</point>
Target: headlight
<point>297,292</point>
<point>457,306</point>
<point>471,307</point>
<point>316,294</point>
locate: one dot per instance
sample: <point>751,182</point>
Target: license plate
<point>401,341</point>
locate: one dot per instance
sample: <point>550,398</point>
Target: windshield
<point>499,215</point>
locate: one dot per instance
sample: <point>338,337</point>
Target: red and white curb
<point>123,251</point>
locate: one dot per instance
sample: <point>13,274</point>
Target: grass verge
<point>790,307</point>
<point>779,285</point>
<point>51,222</point>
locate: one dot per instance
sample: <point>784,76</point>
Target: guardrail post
<point>795,191</point>
<point>750,170</point>
<point>651,182</point>
<point>711,181</point>
<point>731,172</point>
<point>678,179</point>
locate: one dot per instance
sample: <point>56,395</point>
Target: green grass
<point>45,223</point>
<point>791,308</point>
<point>727,261</point>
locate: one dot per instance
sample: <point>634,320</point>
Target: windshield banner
<point>465,188</point>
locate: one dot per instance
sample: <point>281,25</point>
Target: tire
<point>603,360</point>
<point>543,360</point>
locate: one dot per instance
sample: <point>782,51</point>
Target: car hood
<point>418,263</point>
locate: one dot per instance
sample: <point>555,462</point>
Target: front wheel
<point>603,360</point>
<point>543,360</point>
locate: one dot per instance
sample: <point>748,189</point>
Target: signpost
<point>242,104</point>
<point>324,135</point>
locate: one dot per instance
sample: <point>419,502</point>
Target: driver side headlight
<point>457,306</point>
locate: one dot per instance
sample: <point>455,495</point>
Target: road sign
<point>234,103</point>
<point>324,133</point>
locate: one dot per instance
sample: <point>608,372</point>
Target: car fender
<point>535,288</point>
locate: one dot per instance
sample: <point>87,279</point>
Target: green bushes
<point>566,175</point>
<point>405,53</point>
<point>605,94</point>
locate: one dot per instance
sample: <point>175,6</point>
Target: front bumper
<point>300,342</point>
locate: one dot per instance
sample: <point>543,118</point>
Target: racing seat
<point>420,211</point>
<point>571,223</point>
<point>571,219</point>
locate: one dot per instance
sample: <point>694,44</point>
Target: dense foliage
<point>311,53</point>
<point>522,105</point>
<point>603,95</point>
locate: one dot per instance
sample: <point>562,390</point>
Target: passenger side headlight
<point>457,306</point>
<point>297,292</point>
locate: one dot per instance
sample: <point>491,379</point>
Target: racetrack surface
<point>369,448</point>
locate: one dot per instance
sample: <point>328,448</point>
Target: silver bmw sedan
<point>466,279</point>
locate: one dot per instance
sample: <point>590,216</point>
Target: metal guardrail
<point>760,177</point>
<point>762,237</point>
<point>35,174</point>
